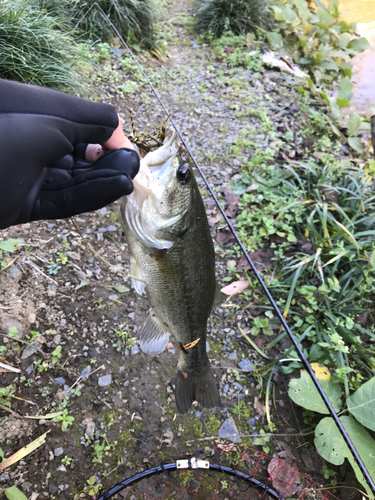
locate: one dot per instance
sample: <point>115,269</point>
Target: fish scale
<point>180,280</point>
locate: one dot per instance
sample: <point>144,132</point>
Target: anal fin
<point>154,338</point>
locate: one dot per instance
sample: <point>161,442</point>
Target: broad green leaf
<point>8,245</point>
<point>304,393</point>
<point>275,39</point>
<point>121,288</point>
<point>343,103</point>
<point>372,259</point>
<point>356,144</point>
<point>324,16</point>
<point>344,39</point>
<point>278,13</point>
<point>362,404</point>
<point>13,493</point>
<point>82,283</point>
<point>289,15</point>
<point>359,44</point>
<point>354,123</point>
<point>332,447</point>
<point>363,442</point>
<point>345,89</point>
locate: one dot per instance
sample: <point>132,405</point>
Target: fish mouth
<point>156,166</point>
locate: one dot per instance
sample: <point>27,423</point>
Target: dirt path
<point>122,402</point>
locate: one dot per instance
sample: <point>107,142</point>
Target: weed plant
<point>238,16</point>
<point>33,49</point>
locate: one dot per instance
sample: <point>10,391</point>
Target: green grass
<point>238,16</point>
<point>33,49</point>
<point>133,19</point>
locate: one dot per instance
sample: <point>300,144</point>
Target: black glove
<point>42,173</point>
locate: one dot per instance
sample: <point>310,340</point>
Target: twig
<point>42,273</point>
<point>10,263</point>
<point>79,379</point>
<point>9,368</point>
<point>13,338</point>
<point>5,408</point>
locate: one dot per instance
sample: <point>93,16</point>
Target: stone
<point>169,434</point>
<point>86,371</point>
<point>31,349</point>
<point>52,489</point>
<point>14,271</point>
<point>251,421</point>
<point>113,297</point>
<point>61,468</point>
<point>60,381</point>
<point>58,451</point>
<point>73,255</point>
<point>90,429</point>
<point>134,349</point>
<point>13,323</point>
<point>63,487</point>
<point>57,339</point>
<point>105,380</point>
<point>51,292</point>
<point>207,346</point>
<point>232,355</point>
<point>111,228</point>
<point>229,431</point>
<point>246,364</point>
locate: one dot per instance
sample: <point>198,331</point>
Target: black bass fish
<point>173,261</point>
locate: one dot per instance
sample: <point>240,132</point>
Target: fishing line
<point>307,366</point>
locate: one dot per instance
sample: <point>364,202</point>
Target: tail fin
<point>201,387</point>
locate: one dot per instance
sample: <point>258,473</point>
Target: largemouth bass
<point>173,261</point>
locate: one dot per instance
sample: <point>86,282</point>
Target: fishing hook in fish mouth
<point>184,348</point>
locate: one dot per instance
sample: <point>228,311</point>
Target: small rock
<point>169,434</point>
<point>207,346</point>
<point>52,489</point>
<point>226,387</point>
<point>61,468</point>
<point>111,228</point>
<point>105,380</point>
<point>31,318</point>
<point>90,429</point>
<point>13,323</point>
<point>26,486</point>
<point>60,381</point>
<point>246,364</point>
<point>51,292</point>
<point>85,371</point>
<point>58,451</point>
<point>251,421</point>
<point>57,339</point>
<point>63,487</point>
<point>252,187</point>
<point>31,349</point>
<point>134,349</point>
<point>73,255</point>
<point>229,431</point>
<point>232,355</point>
<point>113,297</point>
<point>14,271</point>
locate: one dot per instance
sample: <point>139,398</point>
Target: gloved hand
<point>43,171</point>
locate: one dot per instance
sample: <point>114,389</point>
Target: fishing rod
<point>306,364</point>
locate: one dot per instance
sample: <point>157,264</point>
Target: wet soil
<point>127,420</point>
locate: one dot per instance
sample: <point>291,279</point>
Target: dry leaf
<point>23,452</point>
<point>285,479</point>
<point>224,236</point>
<point>235,287</point>
<point>259,407</point>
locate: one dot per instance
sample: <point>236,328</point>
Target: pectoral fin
<point>154,337</point>
<point>137,272</point>
<point>219,297</point>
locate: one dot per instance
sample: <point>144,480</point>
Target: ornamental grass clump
<point>33,49</point>
<point>238,16</point>
<point>132,18</point>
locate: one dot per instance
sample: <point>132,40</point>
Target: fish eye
<point>183,173</point>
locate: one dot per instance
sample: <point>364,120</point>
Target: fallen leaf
<point>23,452</point>
<point>243,264</point>
<point>232,207</point>
<point>224,236</point>
<point>214,220</point>
<point>259,407</point>
<point>285,479</point>
<point>235,287</point>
